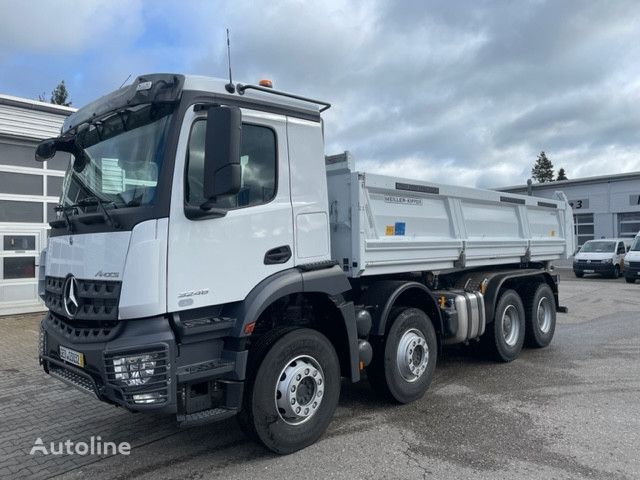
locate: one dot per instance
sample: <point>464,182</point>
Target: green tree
<point>542,171</point>
<point>59,95</point>
<point>562,174</point>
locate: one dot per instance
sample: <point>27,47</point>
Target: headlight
<point>135,369</point>
<point>607,260</point>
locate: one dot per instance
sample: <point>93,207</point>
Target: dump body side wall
<point>386,225</point>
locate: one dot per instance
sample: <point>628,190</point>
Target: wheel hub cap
<point>510,325</point>
<point>544,315</point>
<point>413,355</point>
<point>299,390</point>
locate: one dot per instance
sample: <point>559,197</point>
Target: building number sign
<point>579,204</point>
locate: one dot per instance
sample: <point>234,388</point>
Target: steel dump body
<point>385,225</point>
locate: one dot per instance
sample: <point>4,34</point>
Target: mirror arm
<point>202,212</point>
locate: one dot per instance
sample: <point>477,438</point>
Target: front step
<point>195,330</point>
<point>205,416</point>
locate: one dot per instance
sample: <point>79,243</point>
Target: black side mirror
<point>222,170</point>
<point>46,149</point>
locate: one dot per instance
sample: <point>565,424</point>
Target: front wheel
<point>405,359</point>
<point>616,272</point>
<point>292,390</point>
<point>579,274</point>
<point>505,335</point>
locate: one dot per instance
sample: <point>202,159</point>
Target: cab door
<point>219,260</point>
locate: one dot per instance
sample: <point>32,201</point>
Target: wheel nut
<point>319,393</point>
<point>298,410</point>
<point>293,388</point>
<point>293,401</point>
<point>315,373</point>
<point>306,411</point>
<point>306,371</point>
<point>319,381</point>
<point>315,404</point>
<point>298,377</point>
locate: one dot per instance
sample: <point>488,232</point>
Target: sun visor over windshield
<point>160,87</point>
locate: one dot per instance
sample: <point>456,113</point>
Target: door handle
<point>277,255</point>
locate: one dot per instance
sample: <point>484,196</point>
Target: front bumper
<point>180,368</point>
<point>632,272</point>
<point>601,268</point>
<point>99,346</point>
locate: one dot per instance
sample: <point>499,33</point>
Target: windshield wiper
<point>87,202</point>
<point>95,201</point>
<point>65,214</point>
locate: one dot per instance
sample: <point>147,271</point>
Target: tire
<point>616,272</point>
<point>540,317</point>
<point>629,280</point>
<point>300,358</point>
<point>404,360</point>
<point>579,274</point>
<point>505,335</point>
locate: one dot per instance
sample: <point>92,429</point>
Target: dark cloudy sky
<point>464,92</point>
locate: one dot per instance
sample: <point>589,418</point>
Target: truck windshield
<point>635,246</point>
<point>119,157</point>
<point>598,247</point>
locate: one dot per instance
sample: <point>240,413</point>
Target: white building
<point>29,190</point>
<point>603,207</point>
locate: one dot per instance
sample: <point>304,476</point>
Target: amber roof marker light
<point>266,83</point>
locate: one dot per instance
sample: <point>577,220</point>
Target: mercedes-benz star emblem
<point>69,298</point>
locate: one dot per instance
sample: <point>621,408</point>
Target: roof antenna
<point>229,87</point>
<point>125,80</point>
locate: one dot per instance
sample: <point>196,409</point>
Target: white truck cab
<point>604,256</point>
<point>632,261</point>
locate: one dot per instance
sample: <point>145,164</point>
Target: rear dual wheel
<point>505,335</point>
<point>540,314</point>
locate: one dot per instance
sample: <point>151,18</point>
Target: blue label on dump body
<point>399,228</point>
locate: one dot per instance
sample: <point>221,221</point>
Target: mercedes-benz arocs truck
<point>209,260</point>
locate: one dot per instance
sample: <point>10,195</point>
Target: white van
<point>632,261</point>
<point>604,256</point>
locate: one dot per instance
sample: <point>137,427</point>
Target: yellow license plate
<point>72,356</point>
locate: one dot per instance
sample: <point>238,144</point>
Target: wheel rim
<point>412,356</point>
<point>510,325</point>
<point>299,390</point>
<point>544,315</point>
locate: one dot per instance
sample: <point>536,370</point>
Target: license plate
<point>72,356</point>
<point>588,271</point>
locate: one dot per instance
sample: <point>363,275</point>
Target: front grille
<point>155,387</point>
<point>97,299</point>
<point>588,262</point>
<point>634,264</point>
<point>83,331</point>
<point>73,378</point>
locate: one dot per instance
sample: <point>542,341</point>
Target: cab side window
<point>621,249</point>
<point>257,160</point>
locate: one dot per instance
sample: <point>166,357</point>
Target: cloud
<point>67,27</point>
<point>466,95</point>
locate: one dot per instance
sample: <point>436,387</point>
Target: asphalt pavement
<point>569,411</point>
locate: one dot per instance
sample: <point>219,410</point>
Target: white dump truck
<point>208,260</point>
